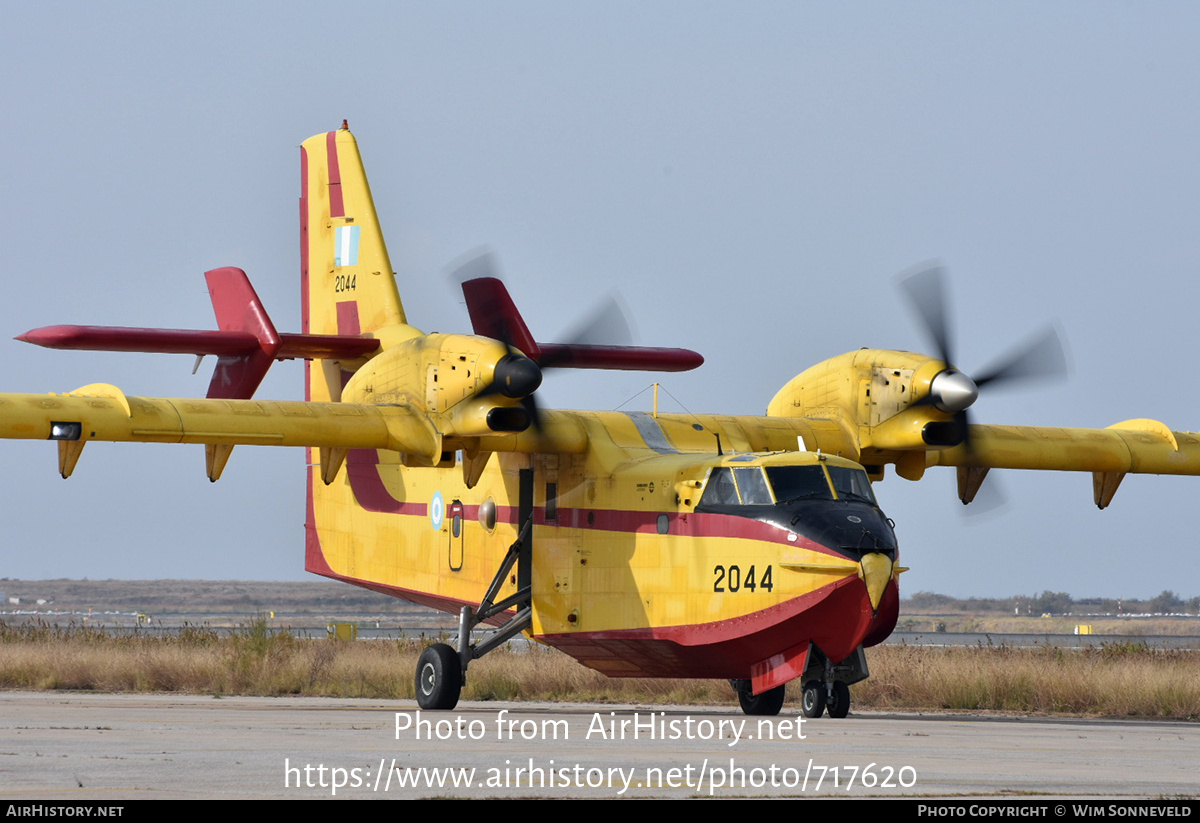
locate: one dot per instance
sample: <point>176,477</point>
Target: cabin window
<point>720,490</point>
<point>551,501</point>
<point>752,486</point>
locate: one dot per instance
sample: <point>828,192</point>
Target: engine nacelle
<point>468,386</point>
<point>896,401</point>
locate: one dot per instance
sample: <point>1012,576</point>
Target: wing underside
<point>1130,447</point>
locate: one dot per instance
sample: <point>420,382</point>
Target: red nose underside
<point>837,618</point>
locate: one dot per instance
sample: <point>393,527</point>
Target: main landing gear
<point>818,698</point>
<point>815,699</point>
<point>826,687</point>
<point>442,671</point>
<point>439,678</point>
<point>766,704</point>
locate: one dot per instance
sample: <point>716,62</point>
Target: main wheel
<point>439,678</point>
<point>768,703</point>
<point>838,704</point>
<point>812,703</point>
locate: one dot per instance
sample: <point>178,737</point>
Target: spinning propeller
<point>953,391</point>
<point>600,341</point>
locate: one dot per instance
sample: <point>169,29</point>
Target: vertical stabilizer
<point>347,282</point>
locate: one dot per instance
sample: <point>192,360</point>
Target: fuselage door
<point>456,536</point>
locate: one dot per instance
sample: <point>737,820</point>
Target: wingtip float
<point>641,544</point>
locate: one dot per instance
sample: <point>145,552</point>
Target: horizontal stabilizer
<point>246,343</point>
<point>628,358</point>
<point>493,314</point>
<point>195,341</point>
<point>124,338</point>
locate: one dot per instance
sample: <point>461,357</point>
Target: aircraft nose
<point>875,569</point>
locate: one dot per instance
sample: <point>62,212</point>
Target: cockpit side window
<point>793,483</point>
<point>720,490</point>
<point>851,483</point>
<point>753,487</point>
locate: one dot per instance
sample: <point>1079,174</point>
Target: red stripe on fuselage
<point>314,558</point>
<point>372,495</point>
<point>336,209</point>
<point>368,489</point>
<point>304,322</point>
<point>347,318</point>
<point>315,562</point>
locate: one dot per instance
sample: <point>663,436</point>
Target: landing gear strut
<point>441,671</point>
<point>828,686</point>
<point>837,702</point>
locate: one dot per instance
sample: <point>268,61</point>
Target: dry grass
<point>1060,624</point>
<point>1115,681</point>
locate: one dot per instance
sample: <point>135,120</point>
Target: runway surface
<point>68,747</point>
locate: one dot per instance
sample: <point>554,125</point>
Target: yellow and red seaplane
<point>641,544</point>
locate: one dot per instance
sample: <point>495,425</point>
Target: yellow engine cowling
<point>882,395</point>
<point>451,378</point>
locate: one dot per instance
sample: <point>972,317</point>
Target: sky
<point>750,178</point>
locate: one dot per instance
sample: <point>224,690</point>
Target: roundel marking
<point>437,510</point>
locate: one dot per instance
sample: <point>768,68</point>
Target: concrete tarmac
<point>66,747</point>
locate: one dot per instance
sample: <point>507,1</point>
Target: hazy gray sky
<point>750,176</point>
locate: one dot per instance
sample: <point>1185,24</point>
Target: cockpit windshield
<point>793,483</point>
<point>749,486</point>
<point>852,484</point>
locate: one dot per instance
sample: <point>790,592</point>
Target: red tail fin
<point>238,309</point>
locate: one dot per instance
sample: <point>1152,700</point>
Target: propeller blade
<point>607,324</point>
<point>1042,356</point>
<point>535,415</point>
<point>479,263</point>
<point>952,391</point>
<point>925,287</point>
